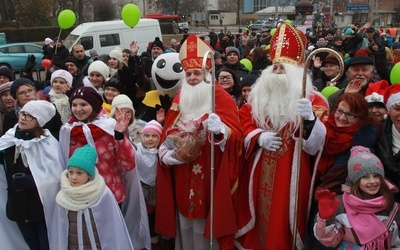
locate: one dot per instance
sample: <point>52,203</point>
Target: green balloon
<point>247,64</point>
<point>130,15</point>
<point>395,74</point>
<point>66,19</point>
<point>272,32</point>
<point>327,91</point>
<point>287,21</point>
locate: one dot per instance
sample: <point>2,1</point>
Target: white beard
<point>195,101</point>
<point>274,97</point>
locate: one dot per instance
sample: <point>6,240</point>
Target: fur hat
<point>100,67</point>
<point>363,162</point>
<point>232,49</point>
<point>47,41</point>
<point>121,101</point>
<point>116,83</point>
<point>116,53</point>
<point>62,74</point>
<point>84,158</point>
<point>157,43</point>
<point>90,95</point>
<point>4,71</point>
<point>153,126</point>
<point>18,83</point>
<point>43,111</point>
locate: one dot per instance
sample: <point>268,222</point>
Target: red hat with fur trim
<point>376,91</point>
<point>288,45</point>
<point>192,52</point>
<point>392,95</point>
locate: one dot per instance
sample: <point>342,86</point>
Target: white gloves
<point>304,109</point>
<point>270,141</point>
<point>215,124</point>
<point>169,159</point>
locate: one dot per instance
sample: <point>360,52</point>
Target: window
<point>87,42</point>
<point>109,40</point>
<point>32,49</point>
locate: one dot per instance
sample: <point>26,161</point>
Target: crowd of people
<point>132,151</point>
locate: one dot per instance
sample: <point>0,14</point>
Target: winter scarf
<point>361,213</point>
<point>61,101</point>
<point>81,197</point>
<point>338,139</point>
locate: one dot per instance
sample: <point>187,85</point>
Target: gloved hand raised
<point>23,181</point>
<point>169,159</point>
<point>29,64</point>
<point>215,124</point>
<point>304,109</point>
<point>379,41</point>
<point>327,203</point>
<point>270,141</point>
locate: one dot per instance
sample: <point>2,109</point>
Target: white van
<point>106,35</point>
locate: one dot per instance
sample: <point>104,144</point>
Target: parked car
<point>258,25</point>
<point>183,27</point>
<point>14,55</point>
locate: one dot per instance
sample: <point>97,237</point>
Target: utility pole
<point>331,14</point>
<point>371,11</point>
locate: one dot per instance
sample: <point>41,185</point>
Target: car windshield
<point>70,40</point>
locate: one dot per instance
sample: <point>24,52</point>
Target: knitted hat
<point>348,31</point>
<point>376,91</point>
<point>61,74</point>
<point>121,101</point>
<point>249,80</point>
<point>72,60</point>
<point>4,87</point>
<point>43,111</point>
<point>18,83</point>
<point>100,67</point>
<point>116,53</point>
<point>116,83</point>
<point>396,45</point>
<point>152,126</point>
<point>93,53</point>
<point>232,49</point>
<point>157,43</point>
<point>392,95</point>
<point>84,158</point>
<point>217,55</point>
<point>90,95</point>
<point>47,41</point>
<point>363,162</point>
<point>4,71</point>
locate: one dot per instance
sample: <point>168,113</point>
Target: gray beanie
<point>233,50</point>
<point>363,162</point>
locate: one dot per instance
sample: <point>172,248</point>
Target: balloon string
<point>58,37</point>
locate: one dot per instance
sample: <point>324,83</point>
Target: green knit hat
<point>84,158</point>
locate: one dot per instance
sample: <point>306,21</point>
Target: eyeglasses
<point>349,116</point>
<point>221,78</point>
<point>28,91</point>
<point>26,116</point>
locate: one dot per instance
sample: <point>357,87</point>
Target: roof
<point>281,10</point>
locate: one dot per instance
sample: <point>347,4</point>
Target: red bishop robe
<point>267,192</point>
<point>187,187</point>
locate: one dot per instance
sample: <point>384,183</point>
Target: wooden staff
<point>300,142</point>
<point>205,73</point>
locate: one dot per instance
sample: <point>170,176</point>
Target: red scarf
<point>337,140</point>
<point>78,135</point>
